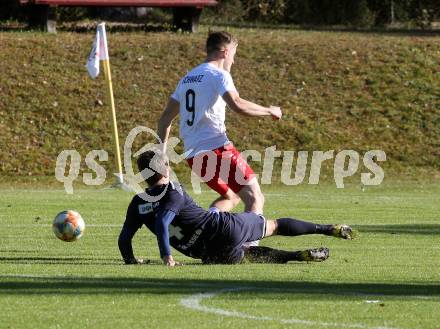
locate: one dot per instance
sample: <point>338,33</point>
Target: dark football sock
<point>268,255</point>
<point>292,227</point>
<point>324,229</point>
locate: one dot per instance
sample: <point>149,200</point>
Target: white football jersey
<point>202,108</point>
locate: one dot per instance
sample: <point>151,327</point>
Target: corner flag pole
<point>100,53</point>
<point>108,78</point>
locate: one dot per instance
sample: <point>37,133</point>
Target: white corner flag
<point>100,53</point>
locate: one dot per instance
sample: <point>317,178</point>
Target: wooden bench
<point>186,13</point>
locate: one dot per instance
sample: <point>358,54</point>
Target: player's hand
<point>169,261</point>
<point>275,112</point>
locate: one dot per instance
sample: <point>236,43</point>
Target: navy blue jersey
<point>178,221</point>
<point>190,229</point>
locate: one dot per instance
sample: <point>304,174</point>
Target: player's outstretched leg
<point>269,255</point>
<point>293,227</point>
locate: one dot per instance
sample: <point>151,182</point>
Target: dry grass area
<point>358,91</point>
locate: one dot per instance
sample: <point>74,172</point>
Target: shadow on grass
<point>426,229</point>
<point>24,251</point>
<point>377,30</point>
<point>85,28</point>
<point>167,27</point>
<point>59,260</point>
<point>30,285</point>
<point>75,261</point>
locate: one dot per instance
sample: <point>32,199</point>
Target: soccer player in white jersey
<point>200,99</point>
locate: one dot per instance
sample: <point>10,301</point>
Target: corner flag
<point>99,53</point>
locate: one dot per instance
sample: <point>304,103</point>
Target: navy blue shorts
<point>235,229</point>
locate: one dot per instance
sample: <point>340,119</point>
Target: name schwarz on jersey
<point>193,78</point>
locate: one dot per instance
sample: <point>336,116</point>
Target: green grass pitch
<point>388,278</point>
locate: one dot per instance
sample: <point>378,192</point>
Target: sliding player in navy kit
<point>215,238</point>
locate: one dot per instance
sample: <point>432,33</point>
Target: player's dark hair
<point>156,162</point>
<point>218,40</point>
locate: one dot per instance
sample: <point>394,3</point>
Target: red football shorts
<point>222,169</point>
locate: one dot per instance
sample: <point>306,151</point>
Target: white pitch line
<point>194,302</point>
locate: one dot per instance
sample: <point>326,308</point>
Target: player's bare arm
<point>244,107</point>
<point>165,121</point>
